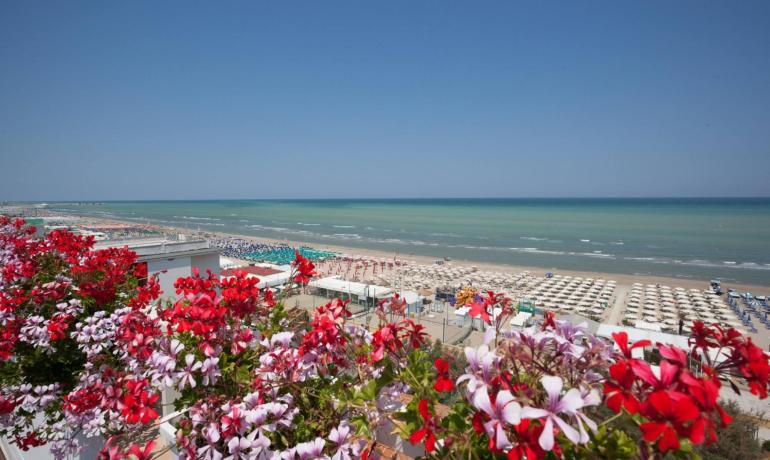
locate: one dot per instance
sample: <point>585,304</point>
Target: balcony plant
<point>87,349</point>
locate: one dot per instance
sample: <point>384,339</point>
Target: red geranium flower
<point>426,432</point>
<point>752,363</point>
<point>82,400</point>
<point>619,388</point>
<point>443,382</point>
<point>29,440</point>
<point>385,339</point>
<point>549,320</point>
<point>395,304</point>
<point>6,405</point>
<point>479,310</point>
<point>240,294</point>
<point>57,327</point>
<point>668,374</point>
<point>142,453</point>
<point>527,445</point>
<point>137,403</point>
<point>303,269</point>
<point>413,333</point>
<point>705,391</point>
<point>621,338</point>
<point>668,412</point>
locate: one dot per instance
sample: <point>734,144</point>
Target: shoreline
<point>620,278</point>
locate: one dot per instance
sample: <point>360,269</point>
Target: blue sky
<point>165,100</point>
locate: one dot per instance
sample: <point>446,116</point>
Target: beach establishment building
<point>363,295</point>
<point>636,334</point>
<point>272,276</point>
<point>226,263</point>
<point>170,259</point>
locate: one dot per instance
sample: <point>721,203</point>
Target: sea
<point>695,238</point>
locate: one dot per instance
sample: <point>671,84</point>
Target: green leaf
<point>243,375</point>
<point>369,391</point>
<point>361,425</point>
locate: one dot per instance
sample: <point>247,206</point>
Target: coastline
<point>623,279</point>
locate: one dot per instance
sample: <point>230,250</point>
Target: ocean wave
<point>266,227</point>
<point>585,241</point>
<point>702,263</point>
<point>307,225</point>
<point>533,238</point>
<point>539,251</point>
<point>347,226</point>
<point>196,218</point>
<point>354,236</point>
<point>595,254</point>
<point>708,263</point>
<point>175,222</point>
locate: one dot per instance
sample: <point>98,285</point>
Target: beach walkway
<point>615,314</point>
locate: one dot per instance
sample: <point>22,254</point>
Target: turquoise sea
<point>688,238</point>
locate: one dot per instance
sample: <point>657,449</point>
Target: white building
<point>359,293</point>
<point>170,259</point>
<point>270,276</point>
<point>364,295</point>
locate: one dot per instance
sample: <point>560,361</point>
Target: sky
<point>326,99</point>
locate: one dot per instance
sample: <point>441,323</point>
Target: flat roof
<point>350,287</point>
<point>258,271</point>
<point>411,297</point>
<point>634,335</point>
<point>154,248</point>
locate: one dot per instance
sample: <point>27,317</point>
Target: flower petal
<point>546,437</point>
<point>570,432</point>
<point>501,440</point>
<point>481,401</point>
<point>511,413</point>
<point>552,385</point>
<point>571,402</point>
<point>533,412</point>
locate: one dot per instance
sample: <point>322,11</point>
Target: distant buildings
<point>362,295</point>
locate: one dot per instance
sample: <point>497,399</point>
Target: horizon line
<point>128,200</point>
